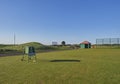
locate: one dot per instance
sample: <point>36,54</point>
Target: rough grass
<point>8,49</point>
<point>82,66</point>
<point>21,46</point>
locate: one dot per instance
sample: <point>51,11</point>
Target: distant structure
<point>54,43</point>
<point>85,44</point>
<point>107,42</point>
<point>14,39</point>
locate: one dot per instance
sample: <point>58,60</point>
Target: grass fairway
<point>83,66</point>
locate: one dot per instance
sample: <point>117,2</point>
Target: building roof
<point>85,42</point>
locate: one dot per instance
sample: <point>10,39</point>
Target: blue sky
<point>45,21</point>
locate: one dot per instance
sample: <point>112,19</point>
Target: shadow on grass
<point>65,61</point>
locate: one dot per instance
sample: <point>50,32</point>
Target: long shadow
<point>65,61</point>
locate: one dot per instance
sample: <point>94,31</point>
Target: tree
<point>63,43</point>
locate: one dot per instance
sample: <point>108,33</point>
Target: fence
<point>108,42</point>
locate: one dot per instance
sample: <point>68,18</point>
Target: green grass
<point>96,66</point>
<point>38,47</point>
<point>21,46</point>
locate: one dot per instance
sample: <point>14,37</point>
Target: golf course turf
<point>80,66</point>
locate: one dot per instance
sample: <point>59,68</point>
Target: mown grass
<point>82,66</point>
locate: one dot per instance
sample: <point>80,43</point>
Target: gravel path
<point>10,54</point>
